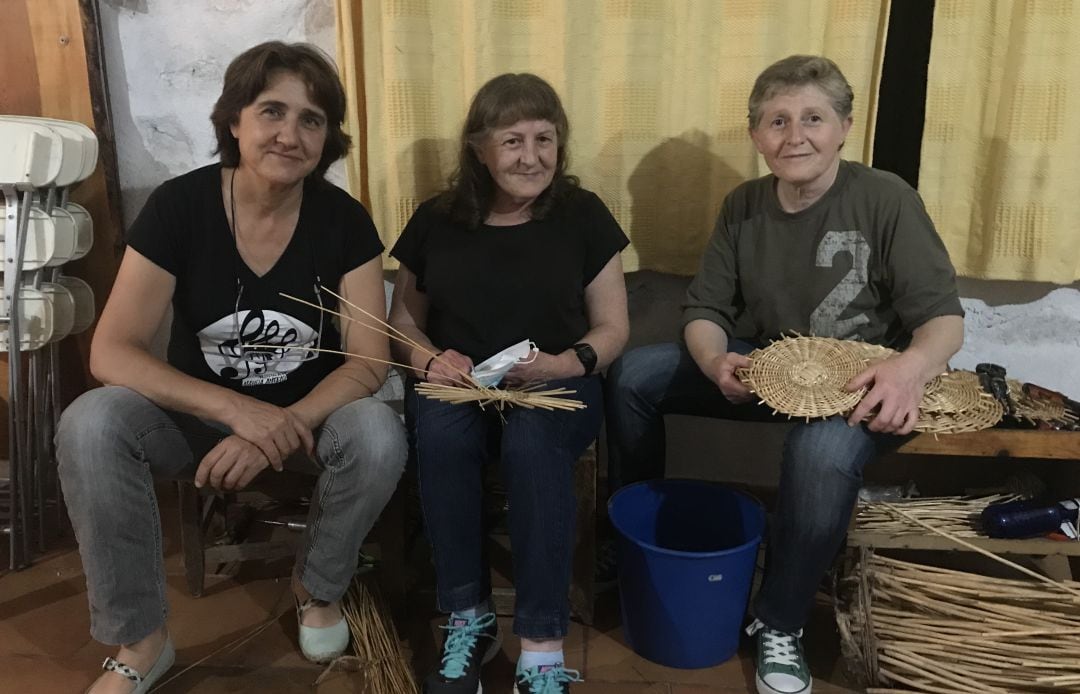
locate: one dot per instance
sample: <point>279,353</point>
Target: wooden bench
<point>1052,556</point>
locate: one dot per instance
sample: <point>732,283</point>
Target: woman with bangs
<point>514,250</point>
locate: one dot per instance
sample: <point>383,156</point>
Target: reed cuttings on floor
<point>380,661</point>
<point>468,390</point>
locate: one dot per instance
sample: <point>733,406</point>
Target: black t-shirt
<point>492,287</point>
<point>231,327</point>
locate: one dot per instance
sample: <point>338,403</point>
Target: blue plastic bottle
<point>1016,519</point>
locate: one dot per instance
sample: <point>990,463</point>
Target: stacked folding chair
<point>40,159</point>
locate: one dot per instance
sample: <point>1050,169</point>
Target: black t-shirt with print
<point>492,287</point>
<point>231,327</point>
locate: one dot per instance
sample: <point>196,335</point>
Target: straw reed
<point>958,515</point>
<point>908,627</point>
<point>467,389</point>
<point>531,397</point>
<point>380,662</point>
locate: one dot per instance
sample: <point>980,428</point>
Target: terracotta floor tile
<point>588,687</point>
<point>45,645</point>
<point>44,674</point>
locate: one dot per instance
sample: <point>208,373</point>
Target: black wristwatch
<point>586,355</point>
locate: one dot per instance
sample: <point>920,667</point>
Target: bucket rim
<point>683,553</point>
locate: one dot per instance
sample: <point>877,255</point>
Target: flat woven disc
<point>953,391</point>
<point>985,415</point>
<point>804,376</point>
<point>955,402</point>
<point>866,351</point>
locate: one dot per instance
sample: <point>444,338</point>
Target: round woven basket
<point>953,391</point>
<point>955,402</point>
<point>804,376</point>
<point>866,351</point>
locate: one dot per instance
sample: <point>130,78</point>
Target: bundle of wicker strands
<point>529,397</point>
<point>958,515</point>
<point>467,389</point>
<point>380,662</point>
<point>908,627</point>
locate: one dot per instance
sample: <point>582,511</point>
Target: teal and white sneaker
<point>469,644</point>
<point>781,665</point>
<point>545,679</point>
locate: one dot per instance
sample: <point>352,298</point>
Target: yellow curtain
<point>655,91</point>
<point>1000,165</point>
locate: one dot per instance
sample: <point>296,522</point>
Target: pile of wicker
<point>914,628</point>
<point>806,377</point>
<point>958,515</point>
<point>381,665</point>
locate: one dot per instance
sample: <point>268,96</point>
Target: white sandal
<point>321,644</point>
<point>143,683</point>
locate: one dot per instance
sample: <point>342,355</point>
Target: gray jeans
<point>111,444</point>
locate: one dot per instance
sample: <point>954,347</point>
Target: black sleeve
<point>604,238</point>
<point>154,234</point>
<point>361,238</point>
<point>411,247</point>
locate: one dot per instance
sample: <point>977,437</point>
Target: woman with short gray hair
<point>824,247</point>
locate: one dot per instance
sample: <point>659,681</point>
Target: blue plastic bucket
<point>687,551</point>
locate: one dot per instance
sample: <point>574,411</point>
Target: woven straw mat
<point>804,376</point>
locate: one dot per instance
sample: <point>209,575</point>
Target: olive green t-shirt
<point>864,263</point>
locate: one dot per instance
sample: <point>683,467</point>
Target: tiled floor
<point>45,645</point>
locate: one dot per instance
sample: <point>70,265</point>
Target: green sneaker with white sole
<point>781,665</point>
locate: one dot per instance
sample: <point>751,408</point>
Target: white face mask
<point>490,372</point>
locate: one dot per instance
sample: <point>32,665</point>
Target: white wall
<point>165,60</point>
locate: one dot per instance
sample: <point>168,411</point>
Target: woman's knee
<point>367,433</point>
<point>98,418</point>
<point>828,447</point>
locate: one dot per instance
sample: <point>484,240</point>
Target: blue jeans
<point>111,444</point>
<point>537,451</point>
<point>820,474</point>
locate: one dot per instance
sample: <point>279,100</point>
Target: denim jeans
<point>820,473</point>
<point>537,450</point>
<point>111,444</point>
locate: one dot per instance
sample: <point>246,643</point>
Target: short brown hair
<point>799,71</point>
<point>248,76</point>
<point>503,101</point>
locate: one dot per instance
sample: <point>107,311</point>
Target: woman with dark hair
<point>248,383</point>
<point>513,251</point>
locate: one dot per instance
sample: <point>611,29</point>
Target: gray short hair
<point>798,71</point>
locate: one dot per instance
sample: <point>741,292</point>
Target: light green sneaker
<point>781,666</point>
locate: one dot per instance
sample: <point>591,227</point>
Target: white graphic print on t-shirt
<point>257,347</point>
